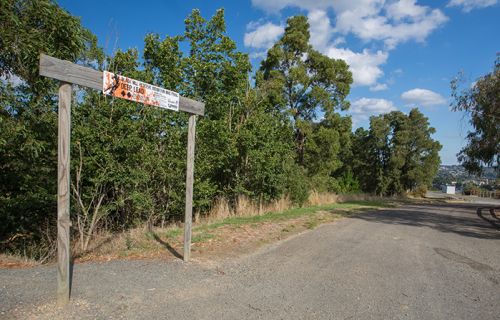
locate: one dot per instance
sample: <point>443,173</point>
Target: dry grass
<point>325,198</point>
<point>279,205</point>
<point>14,261</point>
<point>322,198</point>
<point>154,240</point>
<point>243,207</point>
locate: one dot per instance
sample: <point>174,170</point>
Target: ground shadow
<point>451,218</point>
<point>493,212</point>
<point>480,214</point>
<point>167,246</point>
<point>96,247</point>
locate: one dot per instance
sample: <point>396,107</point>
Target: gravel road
<point>411,262</point>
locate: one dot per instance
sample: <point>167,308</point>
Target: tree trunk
<point>300,141</point>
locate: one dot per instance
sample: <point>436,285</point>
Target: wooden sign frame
<point>68,74</point>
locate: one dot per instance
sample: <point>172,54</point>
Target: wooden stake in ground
<point>69,73</point>
<point>188,218</point>
<point>63,194</point>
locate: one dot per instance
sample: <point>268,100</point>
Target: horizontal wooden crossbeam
<point>69,72</point>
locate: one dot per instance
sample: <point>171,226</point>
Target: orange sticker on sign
<point>126,88</point>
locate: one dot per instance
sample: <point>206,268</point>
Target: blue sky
<point>402,53</point>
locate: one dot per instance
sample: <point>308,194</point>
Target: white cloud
<point>379,87</point>
<point>365,65</point>
<point>363,108</point>
<point>262,36</point>
<point>390,22</point>
<point>320,29</point>
<point>422,97</point>
<point>399,24</point>
<point>384,22</point>
<point>468,5</point>
<point>258,54</point>
<point>405,8</point>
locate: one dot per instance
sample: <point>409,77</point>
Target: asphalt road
<point>413,262</point>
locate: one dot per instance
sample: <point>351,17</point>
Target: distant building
<point>449,189</point>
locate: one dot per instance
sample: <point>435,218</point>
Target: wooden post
<point>63,194</point>
<point>188,217</point>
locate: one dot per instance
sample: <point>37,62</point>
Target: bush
<point>419,191</point>
<point>296,184</point>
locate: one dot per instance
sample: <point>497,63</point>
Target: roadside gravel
<point>412,262</point>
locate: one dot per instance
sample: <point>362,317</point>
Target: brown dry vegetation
<point>224,231</point>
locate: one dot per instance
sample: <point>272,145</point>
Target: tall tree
<point>28,118</point>
<point>482,104</point>
<point>241,141</point>
<point>29,27</point>
<point>397,154</point>
<point>304,80</point>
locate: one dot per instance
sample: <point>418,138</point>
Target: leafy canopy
<point>482,103</point>
<point>304,82</point>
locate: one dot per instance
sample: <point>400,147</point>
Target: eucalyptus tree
<point>482,103</point>
<point>397,154</point>
<point>28,118</point>
<point>305,83</point>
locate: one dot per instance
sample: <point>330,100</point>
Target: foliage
<point>304,81</point>
<point>276,137</point>
<point>28,122</point>
<point>29,27</point>
<point>397,154</point>
<point>482,103</point>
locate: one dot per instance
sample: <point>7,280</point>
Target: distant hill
<point>458,174</point>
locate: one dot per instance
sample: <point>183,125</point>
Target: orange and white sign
<point>134,90</point>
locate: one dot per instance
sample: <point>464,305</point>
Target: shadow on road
<point>480,214</point>
<point>493,213</point>
<point>461,219</point>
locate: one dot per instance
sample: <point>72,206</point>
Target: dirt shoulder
<point>230,237</point>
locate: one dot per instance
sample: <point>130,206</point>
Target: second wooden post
<point>188,217</point>
<point>63,195</point>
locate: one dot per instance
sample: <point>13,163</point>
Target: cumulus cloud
<point>379,87</point>
<point>402,21</point>
<point>405,8</point>
<point>422,97</point>
<point>320,29</point>
<point>365,65</point>
<point>262,36</point>
<point>387,21</point>
<point>364,108</point>
<point>468,5</point>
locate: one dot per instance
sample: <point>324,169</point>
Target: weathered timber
<point>72,73</point>
<point>188,217</point>
<point>69,73</point>
<point>63,195</point>
<point>191,106</point>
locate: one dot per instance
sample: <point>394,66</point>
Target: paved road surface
<point>414,262</point>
